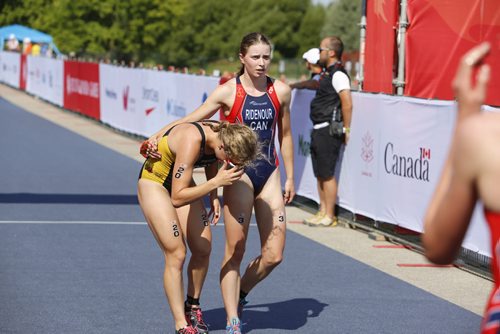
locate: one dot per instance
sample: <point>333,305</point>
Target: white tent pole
<point>399,82</point>
<point>362,41</point>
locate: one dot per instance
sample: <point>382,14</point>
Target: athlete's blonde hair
<point>241,143</point>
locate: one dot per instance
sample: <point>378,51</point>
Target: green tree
<point>178,32</point>
<point>342,19</point>
<point>279,20</point>
<point>309,33</point>
<point>203,34</point>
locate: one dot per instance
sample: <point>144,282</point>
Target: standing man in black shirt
<point>331,111</point>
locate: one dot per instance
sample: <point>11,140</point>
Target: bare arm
<point>218,98</point>
<point>449,212</point>
<point>210,173</point>
<point>306,84</point>
<point>286,142</point>
<point>185,143</point>
<point>205,111</point>
<point>346,103</point>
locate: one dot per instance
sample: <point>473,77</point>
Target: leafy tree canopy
<point>182,32</point>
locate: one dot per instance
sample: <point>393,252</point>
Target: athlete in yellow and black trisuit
<point>173,207</point>
<point>161,171</point>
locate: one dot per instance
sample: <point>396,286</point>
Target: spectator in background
<point>35,49</point>
<point>470,173</point>
<point>311,57</point>
<point>13,43</point>
<point>27,46</point>
<point>44,50</point>
<point>331,106</point>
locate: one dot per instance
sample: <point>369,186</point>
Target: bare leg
<point>238,202</point>
<point>321,193</point>
<point>330,190</point>
<point>196,228</point>
<point>164,224</point>
<point>271,221</point>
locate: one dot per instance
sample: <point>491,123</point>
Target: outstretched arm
<point>449,212</point>
<point>306,84</point>
<point>205,111</point>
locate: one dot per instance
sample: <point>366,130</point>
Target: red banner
<point>380,49</point>
<point>24,73</point>
<point>440,32</point>
<point>81,88</point>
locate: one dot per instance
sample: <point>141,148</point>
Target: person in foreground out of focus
<point>470,173</point>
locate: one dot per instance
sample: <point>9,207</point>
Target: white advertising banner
<point>143,101</point>
<point>168,96</point>
<point>46,78</point>
<point>120,93</point>
<point>10,68</point>
<point>305,182</point>
<point>392,162</point>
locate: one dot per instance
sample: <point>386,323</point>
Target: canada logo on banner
<point>81,88</point>
<point>150,96</point>
<point>367,153</point>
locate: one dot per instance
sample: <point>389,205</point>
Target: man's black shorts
<point>324,152</point>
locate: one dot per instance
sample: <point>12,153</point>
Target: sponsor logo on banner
<point>304,146</point>
<point>128,101</point>
<point>413,167</point>
<point>7,68</point>
<point>152,95</point>
<point>125,98</point>
<point>81,87</point>
<point>367,153</point>
<point>111,94</point>
<point>175,109</point>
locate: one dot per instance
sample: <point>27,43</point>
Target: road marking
<point>62,222</point>
<point>69,222</point>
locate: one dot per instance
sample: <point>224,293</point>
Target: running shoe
<point>241,303</point>
<point>325,221</point>
<point>312,219</point>
<point>195,319</point>
<point>186,330</point>
<point>234,327</point>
